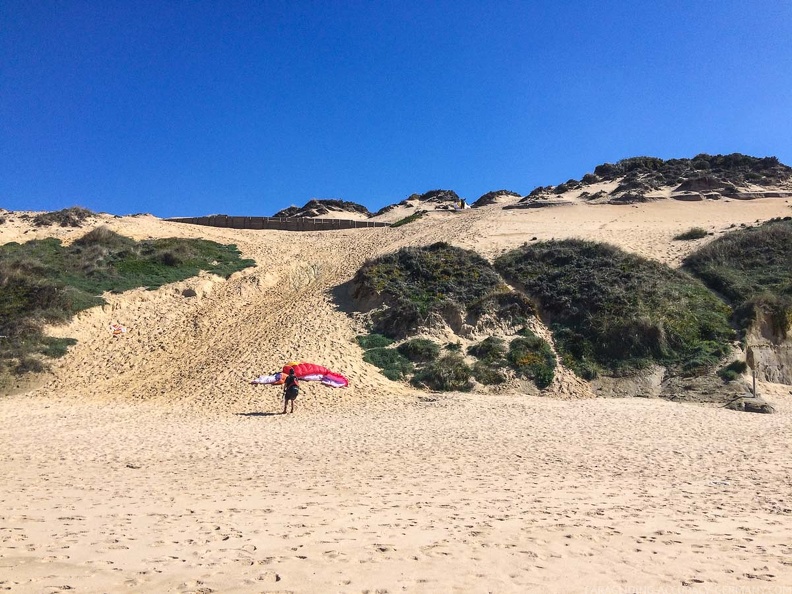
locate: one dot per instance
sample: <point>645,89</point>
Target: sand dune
<point>148,463</point>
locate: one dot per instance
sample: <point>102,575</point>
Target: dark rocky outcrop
<point>748,403</point>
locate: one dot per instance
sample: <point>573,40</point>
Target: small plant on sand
<point>491,353</point>
<point>488,373</point>
<point>419,350</point>
<point>373,341</point>
<point>68,217</point>
<point>732,371</point>
<point>391,362</point>
<point>448,373</point>
<point>531,357</point>
<point>410,219</point>
<point>491,348</point>
<point>694,233</point>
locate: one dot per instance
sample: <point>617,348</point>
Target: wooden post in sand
<point>749,358</point>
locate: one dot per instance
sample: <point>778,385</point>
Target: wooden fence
<point>280,223</point>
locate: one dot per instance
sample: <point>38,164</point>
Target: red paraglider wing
<point>313,372</point>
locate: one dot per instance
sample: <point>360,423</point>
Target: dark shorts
<point>291,394</point>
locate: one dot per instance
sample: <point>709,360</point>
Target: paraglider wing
<point>274,379</point>
<point>307,372</point>
<point>311,372</point>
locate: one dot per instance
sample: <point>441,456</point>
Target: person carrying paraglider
<point>290,390</point>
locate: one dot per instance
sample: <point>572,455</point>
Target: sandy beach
<point>150,464</point>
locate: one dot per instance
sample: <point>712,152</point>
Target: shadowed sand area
<point>150,464</point>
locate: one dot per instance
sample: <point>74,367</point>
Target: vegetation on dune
<point>752,269</point>
<point>637,176</point>
<point>417,282</point>
<point>420,350</point>
<point>693,233</point>
<point>734,168</point>
<point>448,373</point>
<point>732,371</point>
<point>613,312</point>
<point>391,362</point>
<point>419,214</point>
<point>490,350</point>
<point>44,282</point>
<point>491,197</point>
<point>532,357</point>
<point>373,341</point>
<point>68,217</point>
<point>528,356</point>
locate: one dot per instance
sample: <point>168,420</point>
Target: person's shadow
<point>260,414</point>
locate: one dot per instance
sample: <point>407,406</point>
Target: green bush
<point>373,341</point>
<point>448,373</point>
<point>732,371</point>
<point>752,269</point>
<point>393,364</point>
<point>417,282</point>
<point>694,233</point>
<point>56,347</point>
<point>68,217</point>
<point>615,312</point>
<point>410,219</point>
<point>504,304</point>
<point>419,350</point>
<point>488,373</point>
<point>28,364</point>
<point>491,348</point>
<point>531,357</point>
<point>454,347</point>
<point>733,168</point>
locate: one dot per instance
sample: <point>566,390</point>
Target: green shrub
<point>393,364</point>
<point>373,341</point>
<point>488,373</point>
<point>531,357</point>
<point>419,350</point>
<point>491,348</point>
<point>28,364</point>
<point>615,312</point>
<point>504,304</point>
<point>733,168</point>
<point>454,347</point>
<point>732,371</point>
<point>448,373</point>
<point>752,269</point>
<point>417,282</point>
<point>68,217</point>
<point>694,233</point>
<point>410,219</point>
<point>56,347</point>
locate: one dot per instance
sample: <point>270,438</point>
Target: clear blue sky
<point>190,108</point>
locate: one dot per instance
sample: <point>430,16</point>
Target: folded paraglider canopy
<point>309,372</point>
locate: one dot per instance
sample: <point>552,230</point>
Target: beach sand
<point>148,463</point>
